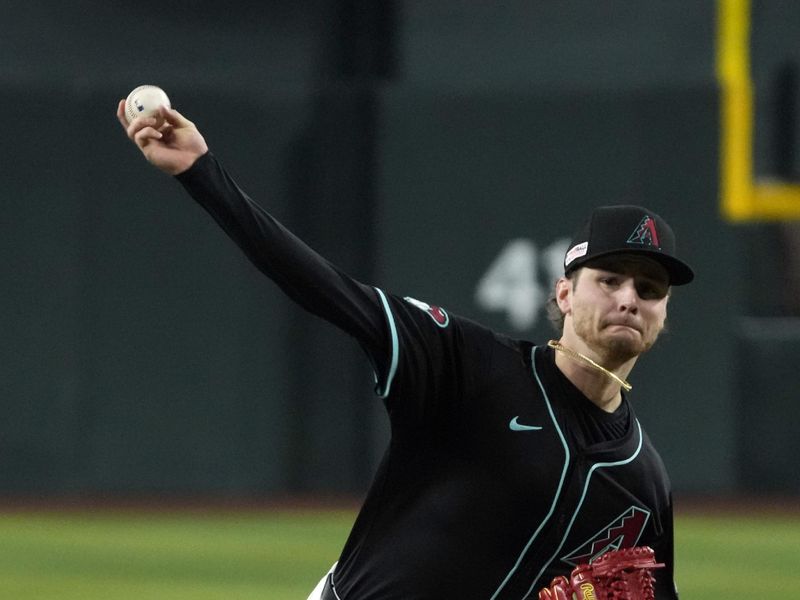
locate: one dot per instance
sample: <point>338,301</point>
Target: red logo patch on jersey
<point>439,316</point>
<point>622,532</point>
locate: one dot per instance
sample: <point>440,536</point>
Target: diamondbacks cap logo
<point>645,233</point>
<point>622,532</point>
<point>439,316</point>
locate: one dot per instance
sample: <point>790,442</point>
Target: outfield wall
<point>414,144</point>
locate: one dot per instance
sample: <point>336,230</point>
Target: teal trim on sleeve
<point>383,392</point>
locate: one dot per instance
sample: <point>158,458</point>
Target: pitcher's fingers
<point>123,120</point>
<point>145,134</point>
<point>140,123</point>
<point>173,117</point>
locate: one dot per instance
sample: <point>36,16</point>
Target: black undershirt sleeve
<point>305,276</point>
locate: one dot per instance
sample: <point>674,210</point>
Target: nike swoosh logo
<point>514,425</point>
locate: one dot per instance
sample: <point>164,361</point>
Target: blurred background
<point>444,150</point>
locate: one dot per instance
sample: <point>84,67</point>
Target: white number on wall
<point>512,283</point>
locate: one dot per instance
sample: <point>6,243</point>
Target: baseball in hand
<point>144,102</point>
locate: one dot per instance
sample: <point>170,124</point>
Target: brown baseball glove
<point>616,575</point>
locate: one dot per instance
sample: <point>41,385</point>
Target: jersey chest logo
<point>439,316</point>
<point>622,532</point>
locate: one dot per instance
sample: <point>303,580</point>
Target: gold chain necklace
<point>577,356</point>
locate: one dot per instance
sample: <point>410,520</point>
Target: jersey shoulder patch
<point>438,314</point>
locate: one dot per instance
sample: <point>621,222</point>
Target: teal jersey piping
<point>595,466</point>
<point>560,483</point>
<point>384,392</point>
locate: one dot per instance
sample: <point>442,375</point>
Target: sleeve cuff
<point>198,165</point>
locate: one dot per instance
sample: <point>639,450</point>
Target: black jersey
<point>499,474</point>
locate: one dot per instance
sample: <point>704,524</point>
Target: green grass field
<point>280,555</point>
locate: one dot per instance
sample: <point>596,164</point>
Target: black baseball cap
<point>627,229</point>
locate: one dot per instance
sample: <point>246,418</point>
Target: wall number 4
<point>520,279</point>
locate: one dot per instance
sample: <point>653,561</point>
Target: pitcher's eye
<point>651,291</point>
<point>609,280</point>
